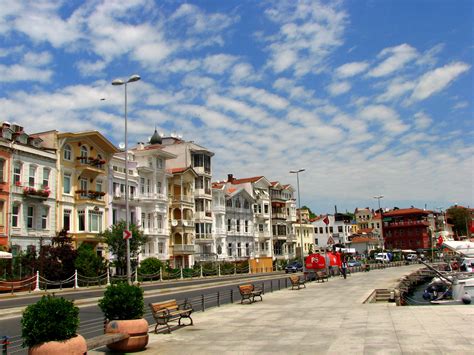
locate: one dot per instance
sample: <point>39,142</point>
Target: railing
<point>179,199</point>
<point>90,194</point>
<point>183,248</point>
<point>280,215</point>
<point>406,223</point>
<point>204,236</point>
<point>93,162</point>
<point>38,191</point>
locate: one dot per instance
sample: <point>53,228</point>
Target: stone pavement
<point>324,318</point>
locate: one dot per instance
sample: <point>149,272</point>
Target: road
<point>202,293</point>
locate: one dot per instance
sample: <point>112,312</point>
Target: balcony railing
<point>183,198</point>
<point>204,236</point>
<point>182,223</point>
<point>183,249</point>
<point>90,194</point>
<point>93,162</point>
<point>406,223</point>
<point>38,191</point>
<point>279,215</point>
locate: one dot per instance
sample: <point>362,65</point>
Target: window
<point>67,152</point>
<point>114,216</point>
<point>84,152</point>
<point>199,183</point>
<point>44,219</point>
<point>265,208</point>
<point>82,221</point>
<point>246,205</point>
<point>67,183</point>
<point>321,230</point>
<point>158,187</point>
<point>2,169</point>
<point>228,203</point>
<point>228,224</point>
<point>142,186</point>
<point>229,249</point>
<point>30,215</point>
<point>15,214</point>
<point>159,163</point>
<point>67,220</point>
<point>83,187</point>
<point>150,162</point>
<point>239,249</point>
<point>246,226</point>
<point>237,203</point>
<point>2,217</point>
<point>31,178</point>
<point>161,247</point>
<point>95,221</point>
<point>238,225</point>
<point>17,174</point>
<point>247,249</point>
<point>143,220</point>
<point>219,249</point>
<point>198,160</point>
<point>260,227</point>
<point>339,229</point>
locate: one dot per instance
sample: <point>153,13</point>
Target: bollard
<point>231,296</point>
<point>279,288</point>
<point>108,277</point>
<point>201,271</point>
<point>161,274</point>
<point>218,299</point>
<point>235,269</point>
<point>37,288</point>
<point>202,303</point>
<point>181,272</point>
<point>136,275</point>
<point>5,344</point>
<point>75,280</point>
<point>219,270</point>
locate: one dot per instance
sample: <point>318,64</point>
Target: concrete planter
<point>136,328</point>
<point>74,346</point>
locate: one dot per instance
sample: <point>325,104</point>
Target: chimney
<point>230,178</point>
<point>140,145</point>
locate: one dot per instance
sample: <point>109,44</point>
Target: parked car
<point>293,267</point>
<point>412,257</point>
<point>352,263</point>
<point>382,258</point>
<point>467,265</point>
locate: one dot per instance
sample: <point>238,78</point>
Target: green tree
<point>113,237</point>
<point>460,218</point>
<point>311,214</point>
<point>150,266</point>
<point>88,263</point>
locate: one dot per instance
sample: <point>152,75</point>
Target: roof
<point>217,185</point>
<point>245,180</point>
<point>363,240</point>
<point>405,211</point>
<point>181,170</point>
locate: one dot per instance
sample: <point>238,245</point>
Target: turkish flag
<point>440,241</point>
<point>315,261</point>
<point>326,220</point>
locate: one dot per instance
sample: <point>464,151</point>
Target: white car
<point>382,258</point>
<point>412,257</point>
<point>467,265</point>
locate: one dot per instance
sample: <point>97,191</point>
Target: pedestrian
<point>344,268</point>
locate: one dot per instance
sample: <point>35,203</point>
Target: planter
<point>76,345</point>
<point>136,328</point>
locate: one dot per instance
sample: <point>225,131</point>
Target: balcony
<point>179,223</point>
<point>201,192</point>
<point>183,249</point>
<point>406,224</point>
<point>218,209</point>
<point>90,195</point>
<point>90,166</point>
<point>204,237</point>
<point>279,216</point>
<point>263,235</point>
<point>39,192</point>
<point>182,199</point>
<point>152,197</point>
<point>220,231</point>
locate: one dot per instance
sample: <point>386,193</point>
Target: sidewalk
<point>324,318</point>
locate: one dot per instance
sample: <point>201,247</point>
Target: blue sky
<point>370,97</point>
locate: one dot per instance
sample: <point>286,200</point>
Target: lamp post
<point>118,82</point>
<point>297,172</point>
<point>379,197</point>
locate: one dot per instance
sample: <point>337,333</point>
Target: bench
<point>105,339</point>
<point>168,311</point>
<point>321,276</point>
<point>249,292</point>
<point>296,281</point>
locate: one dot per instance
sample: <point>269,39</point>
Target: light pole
<point>297,172</point>
<point>379,197</point>
<point>118,82</point>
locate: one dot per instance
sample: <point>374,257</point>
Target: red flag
<point>326,220</point>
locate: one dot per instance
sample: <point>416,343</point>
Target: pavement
<point>324,318</point>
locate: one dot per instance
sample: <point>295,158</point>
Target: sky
<point>369,97</point>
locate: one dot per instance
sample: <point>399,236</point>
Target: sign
<point>127,234</point>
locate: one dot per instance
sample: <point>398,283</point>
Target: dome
<point>155,138</point>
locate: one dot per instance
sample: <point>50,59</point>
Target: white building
<point>148,195</point>
<point>33,190</point>
<point>218,223</point>
<point>336,231</point>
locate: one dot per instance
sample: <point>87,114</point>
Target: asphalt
<point>324,318</point>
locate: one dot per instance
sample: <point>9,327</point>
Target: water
<point>415,298</point>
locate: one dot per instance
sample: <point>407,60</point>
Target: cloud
<point>436,80</point>
<point>262,97</point>
<point>19,72</point>
<point>243,72</point>
<point>396,58</point>
<point>422,120</point>
<point>384,116</point>
<point>339,88</point>
<point>309,31</point>
<point>397,88</point>
<point>219,63</point>
<point>351,69</point>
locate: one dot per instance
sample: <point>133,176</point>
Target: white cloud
<point>261,96</point>
<point>243,72</point>
<point>422,120</point>
<point>436,80</point>
<point>219,63</point>
<point>17,72</point>
<point>339,88</point>
<point>396,59</point>
<point>384,116</point>
<point>91,68</point>
<point>37,59</point>
<point>460,105</point>
<point>397,88</point>
<point>351,69</point>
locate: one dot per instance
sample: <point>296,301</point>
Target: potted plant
<point>49,327</point>
<point>123,307</point>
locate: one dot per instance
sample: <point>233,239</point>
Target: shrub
<point>122,301</point>
<point>150,266</point>
<point>49,319</point>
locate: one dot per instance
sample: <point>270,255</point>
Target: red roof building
<point>406,229</point>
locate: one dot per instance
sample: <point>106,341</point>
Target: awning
<point>5,255</point>
<point>464,248</point>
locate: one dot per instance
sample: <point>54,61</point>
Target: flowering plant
<point>18,183</point>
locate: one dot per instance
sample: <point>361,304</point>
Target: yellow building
<point>83,183</point>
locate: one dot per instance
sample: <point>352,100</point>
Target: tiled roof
<point>363,240</point>
<point>177,170</point>
<point>405,211</point>
<point>244,180</point>
<point>366,230</point>
<point>217,185</point>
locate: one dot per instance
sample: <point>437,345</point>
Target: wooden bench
<point>168,311</point>
<point>105,339</point>
<point>321,276</point>
<point>296,281</point>
<point>249,292</point>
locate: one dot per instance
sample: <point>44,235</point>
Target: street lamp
<point>118,82</point>
<point>297,172</point>
<point>379,197</point>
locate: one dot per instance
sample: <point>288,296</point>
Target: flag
<point>326,220</point>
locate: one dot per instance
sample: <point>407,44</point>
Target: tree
<point>311,214</point>
<point>113,237</point>
<point>88,263</point>
<point>150,266</point>
<point>460,218</point>
<point>57,260</point>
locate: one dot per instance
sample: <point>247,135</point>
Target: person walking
<point>344,268</point>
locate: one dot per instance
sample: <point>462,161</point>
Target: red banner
<point>315,261</point>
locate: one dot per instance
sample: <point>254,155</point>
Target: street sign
<point>127,234</point>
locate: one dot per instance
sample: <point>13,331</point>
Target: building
<point>218,222</point>
<point>304,228</point>
<point>148,195</point>
<point>191,155</point>
<point>407,228</point>
<point>283,216</point>
<point>33,189</point>
<point>82,185</point>
<point>6,147</point>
